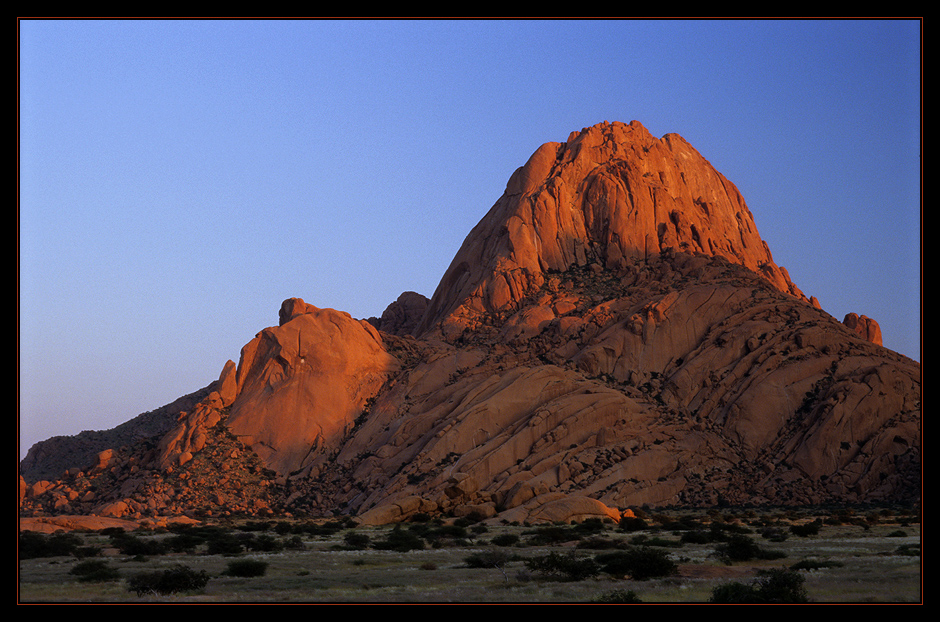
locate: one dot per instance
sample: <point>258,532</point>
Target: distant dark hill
<point>49,459</point>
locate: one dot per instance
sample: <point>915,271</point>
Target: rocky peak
<point>402,316</point>
<point>615,334</point>
<point>611,195</point>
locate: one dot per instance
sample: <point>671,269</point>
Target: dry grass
<point>869,569</point>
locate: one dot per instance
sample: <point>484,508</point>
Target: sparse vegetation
<point>618,597</point>
<point>771,586</point>
<point>741,548</point>
<point>563,566</point>
<point>638,563</point>
<point>93,570</point>
<point>680,556</point>
<point>400,540</point>
<point>179,578</point>
<point>806,529</point>
<point>33,545</point>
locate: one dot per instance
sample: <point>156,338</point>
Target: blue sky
<point>179,179</point>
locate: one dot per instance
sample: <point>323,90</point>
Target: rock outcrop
<point>610,196</point>
<point>296,391</point>
<point>866,327</point>
<point>613,333</point>
<point>402,316</point>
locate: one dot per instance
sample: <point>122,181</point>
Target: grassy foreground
<point>678,557</point>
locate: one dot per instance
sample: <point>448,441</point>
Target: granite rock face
<point>613,333</point>
<point>612,195</point>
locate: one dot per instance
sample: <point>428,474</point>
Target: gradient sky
<point>179,179</point>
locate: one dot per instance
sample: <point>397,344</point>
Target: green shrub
<point>246,568</point>
<point>564,567</point>
<point>551,534</point>
<point>224,544</point>
<point>645,540</point>
<point>590,526</point>
<point>640,563</point>
<point>33,544</point>
<point>695,536</point>
<point>400,540</point>
<point>491,558</point>
<point>806,529</point>
<point>618,597</point>
<point>741,548</point>
<point>295,543</point>
<point>734,593</point>
<point>265,543</point>
<point>505,539</point>
<point>632,523</point>
<point>133,545</point>
<point>912,550</point>
<point>354,540</point>
<point>595,543</point>
<point>94,570</point>
<point>456,532</point>
<point>772,586</point>
<point>774,534</point>
<point>179,578</point>
<point>183,542</point>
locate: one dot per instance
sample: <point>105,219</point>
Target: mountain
<point>613,333</point>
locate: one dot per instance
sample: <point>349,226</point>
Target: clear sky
<point>179,179</point>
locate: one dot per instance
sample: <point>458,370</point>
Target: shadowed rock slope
<point>613,333</point>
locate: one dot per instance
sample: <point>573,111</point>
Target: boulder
<point>866,327</point>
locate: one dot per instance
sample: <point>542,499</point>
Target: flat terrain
<point>870,560</point>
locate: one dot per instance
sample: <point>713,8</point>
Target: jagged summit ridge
<point>612,194</point>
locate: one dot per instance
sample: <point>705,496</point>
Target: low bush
<point>139,547</point>
<point>184,542</point>
<point>265,543</point>
<point>246,568</point>
<point>179,578</point>
<point>601,543</point>
<point>632,523</point>
<point>33,544</point>
<point>740,548</point>
<point>772,586</point>
<point>295,543</point>
<point>696,536</point>
<point>563,567</point>
<point>806,529</point>
<point>640,563</point>
<point>94,571</point>
<point>551,534</point>
<point>224,544</point>
<point>505,539</point>
<point>912,550</point>
<point>773,534</point>
<point>618,597</point>
<point>645,540</point>
<point>400,540</point>
<point>590,526</point>
<point>356,541</point>
<point>491,558</point>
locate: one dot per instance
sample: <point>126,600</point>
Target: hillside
<point>613,333</point>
